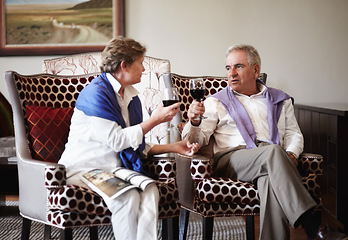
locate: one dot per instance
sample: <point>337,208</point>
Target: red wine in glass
<point>197,94</point>
<point>167,103</point>
<point>197,90</point>
<point>169,97</point>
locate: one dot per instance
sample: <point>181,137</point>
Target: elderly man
<point>257,140</point>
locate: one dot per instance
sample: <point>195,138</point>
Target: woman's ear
<point>123,66</point>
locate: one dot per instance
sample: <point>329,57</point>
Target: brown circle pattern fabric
<point>52,91</point>
<point>160,167</point>
<point>212,85</point>
<point>201,169</point>
<point>74,206</point>
<point>226,209</point>
<point>218,190</point>
<point>217,196</point>
<point>311,164</point>
<point>73,198</point>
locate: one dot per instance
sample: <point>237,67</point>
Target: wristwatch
<point>292,154</point>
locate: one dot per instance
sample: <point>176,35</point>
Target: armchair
<point>42,106</point>
<point>202,193</point>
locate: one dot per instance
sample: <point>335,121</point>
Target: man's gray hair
<point>251,52</point>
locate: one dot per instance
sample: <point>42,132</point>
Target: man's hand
<point>196,108</point>
<point>293,158</point>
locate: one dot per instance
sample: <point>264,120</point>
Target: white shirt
<point>220,124</point>
<point>95,142</point>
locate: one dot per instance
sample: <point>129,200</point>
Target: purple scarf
<point>275,99</point>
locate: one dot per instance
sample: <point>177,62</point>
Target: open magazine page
<point>133,177</point>
<point>106,184</point>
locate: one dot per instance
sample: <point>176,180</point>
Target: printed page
<point>135,178</point>
<point>106,184</point>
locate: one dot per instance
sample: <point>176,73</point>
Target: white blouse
<point>95,142</point>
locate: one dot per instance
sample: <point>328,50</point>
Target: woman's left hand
<point>186,148</point>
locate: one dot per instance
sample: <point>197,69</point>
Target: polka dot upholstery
<point>217,190</point>
<point>226,209</point>
<point>216,196</point>
<point>212,85</point>
<point>160,167</point>
<point>73,219</point>
<point>311,164</point>
<point>75,206</point>
<point>49,90</point>
<point>72,198</point>
<point>200,169</point>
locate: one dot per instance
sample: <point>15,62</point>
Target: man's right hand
<point>196,108</point>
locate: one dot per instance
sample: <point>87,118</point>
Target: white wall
<point>302,43</point>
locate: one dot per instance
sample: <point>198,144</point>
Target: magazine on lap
<point>113,184</point>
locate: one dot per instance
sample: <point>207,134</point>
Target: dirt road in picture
<point>75,34</point>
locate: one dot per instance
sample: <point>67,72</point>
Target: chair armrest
<point>226,190</point>
<point>160,167</point>
<point>309,163</point>
<point>55,176</point>
<point>32,186</point>
<point>200,167</point>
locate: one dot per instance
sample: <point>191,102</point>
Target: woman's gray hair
<point>251,52</point>
<point>120,49</point>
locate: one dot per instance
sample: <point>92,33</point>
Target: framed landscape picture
<point>58,27</point>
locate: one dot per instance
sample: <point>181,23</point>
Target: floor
<point>296,234</point>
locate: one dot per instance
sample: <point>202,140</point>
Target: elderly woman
<point>107,131</point>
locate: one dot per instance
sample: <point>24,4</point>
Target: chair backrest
<point>213,84</point>
<point>50,100</point>
<point>150,87</point>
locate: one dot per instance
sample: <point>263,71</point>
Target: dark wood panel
<point>325,130</point>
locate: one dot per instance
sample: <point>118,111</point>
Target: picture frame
<point>23,34</point>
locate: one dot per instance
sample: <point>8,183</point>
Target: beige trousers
<point>283,198</point>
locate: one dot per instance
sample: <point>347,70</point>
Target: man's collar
<point>262,88</point>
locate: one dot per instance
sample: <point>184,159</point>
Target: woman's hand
<point>166,114</point>
<point>196,108</point>
<point>185,147</point>
<point>163,114</point>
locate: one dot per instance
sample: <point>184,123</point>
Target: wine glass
<point>169,97</point>
<point>197,91</point>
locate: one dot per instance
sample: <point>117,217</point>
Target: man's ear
<point>256,70</point>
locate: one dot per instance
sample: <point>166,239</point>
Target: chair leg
<point>184,221</point>
<point>93,233</point>
<point>208,225</point>
<point>175,227</point>
<point>47,232</point>
<point>26,229</point>
<point>164,229</point>
<point>66,234</point>
<point>250,227</point>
